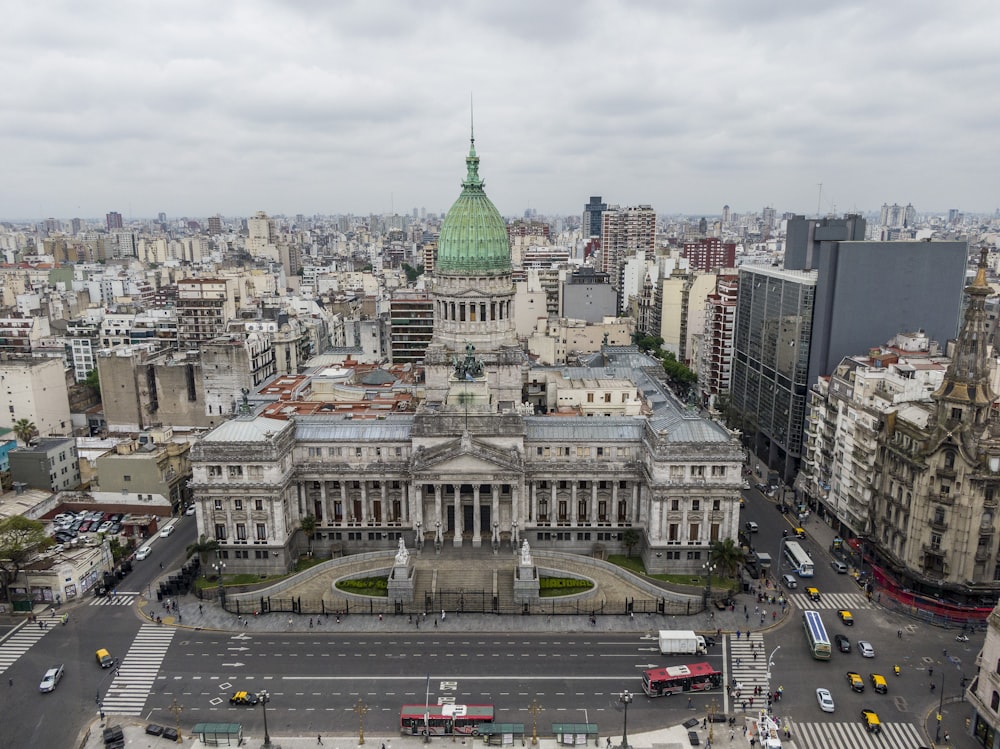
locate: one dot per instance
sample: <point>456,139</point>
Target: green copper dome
<point>473,239</point>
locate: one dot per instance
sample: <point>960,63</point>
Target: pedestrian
<point>933,686</point>
<point>743,704</point>
<point>899,634</point>
<point>435,623</point>
<point>380,617</point>
<point>319,738</point>
<point>947,736</point>
<point>201,610</point>
<point>289,622</point>
<point>774,616</point>
<point>383,745</point>
<point>756,609</point>
<point>704,722</point>
<point>608,743</point>
<point>41,625</point>
<point>161,565</point>
<point>751,702</point>
<point>930,671</point>
<point>744,608</point>
<point>246,623</point>
<point>11,683</point>
<point>311,622</point>
<point>732,735</point>
<point>738,633</point>
<point>744,729</point>
<point>746,616</point>
<point>442,614</point>
<point>690,702</point>
<point>755,655</point>
<point>739,662</point>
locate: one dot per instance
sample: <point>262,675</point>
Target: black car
<point>843,644</point>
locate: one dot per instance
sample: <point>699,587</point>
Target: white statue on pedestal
<point>402,555</point>
<point>525,554</point>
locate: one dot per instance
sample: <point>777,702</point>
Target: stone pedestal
<point>400,586</point>
<point>526,583</point>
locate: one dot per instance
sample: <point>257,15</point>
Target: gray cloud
<point>195,108</point>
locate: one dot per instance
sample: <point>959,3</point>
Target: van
<point>789,581</point>
<point>752,526</point>
<point>104,658</point>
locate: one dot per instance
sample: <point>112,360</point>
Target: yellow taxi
<point>813,593</point>
<point>846,617</point>
<point>871,721</point>
<point>856,682</point>
<point>799,532</point>
<point>243,698</point>
<point>878,683</point>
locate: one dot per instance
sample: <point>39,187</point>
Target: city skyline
<point>359,108</point>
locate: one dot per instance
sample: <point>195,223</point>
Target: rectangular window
<point>673,532</point>
<point>675,504</point>
<point>241,532</point>
<point>716,505</point>
<point>235,472</point>
<point>220,532</point>
<point>696,505</point>
<point>126,478</point>
<point>261,532</point>
<point>258,505</point>
<point>694,531</point>
<point>218,504</point>
<point>237,504</point>
<point>719,471</point>
<point>215,471</point>
<point>714,532</point>
<point>698,471</point>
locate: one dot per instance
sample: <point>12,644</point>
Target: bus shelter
<point>219,734</point>
<point>502,734</point>
<point>575,733</point>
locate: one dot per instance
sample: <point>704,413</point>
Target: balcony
<point>982,556</point>
<point>939,525</point>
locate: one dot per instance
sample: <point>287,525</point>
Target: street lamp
<point>264,696</point>
<point>770,665</point>
<point>513,535</point>
<point>626,699</point>
<point>937,733</point>
<point>420,537</point>
<point>496,536</point>
<point>437,536</point>
<point>709,569</point>
<point>220,569</point>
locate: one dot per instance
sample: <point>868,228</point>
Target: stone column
<point>458,515</point>
<point>366,511</point>
<point>386,509</point>
<point>476,522</point>
<point>416,496</point>
<point>345,510</point>
<point>437,522</point>
<point>613,509</point>
<point>324,512</point>
<point>634,509</point>
<point>574,514</point>
<point>593,503</point>
<point>495,505</point>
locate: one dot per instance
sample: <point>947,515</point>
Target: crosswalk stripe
<point>21,641</point>
<point>830,601</point>
<point>122,599</point>
<point>824,735</point>
<point>138,671</point>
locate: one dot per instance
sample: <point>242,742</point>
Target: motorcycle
<point>962,638</point>
<point>895,670</point>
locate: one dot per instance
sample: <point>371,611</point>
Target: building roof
<point>257,429</point>
<point>473,239</point>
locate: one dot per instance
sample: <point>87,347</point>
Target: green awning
<point>491,729</point>
<point>218,729</point>
<point>561,728</point>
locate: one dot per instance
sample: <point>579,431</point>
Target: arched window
<point>995,702</point>
<point>949,459</point>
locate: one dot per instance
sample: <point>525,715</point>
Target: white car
<point>51,679</point>
<point>105,526</point>
<point>142,553</point>
<point>167,531</point>
<point>825,700</point>
<point>190,510</point>
<point>866,649</point>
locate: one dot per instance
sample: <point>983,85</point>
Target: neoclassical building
<point>571,458</point>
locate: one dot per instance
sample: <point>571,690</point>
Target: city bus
<point>798,558</point>
<point>819,641</point>
<point>418,720</point>
<point>693,677</point>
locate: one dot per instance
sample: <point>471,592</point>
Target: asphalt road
<point>316,681</point>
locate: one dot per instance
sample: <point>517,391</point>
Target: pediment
<point>467,456</point>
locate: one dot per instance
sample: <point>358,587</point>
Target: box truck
<point>681,642</point>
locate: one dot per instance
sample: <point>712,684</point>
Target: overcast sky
<point>195,108</point>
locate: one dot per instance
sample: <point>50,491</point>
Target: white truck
<point>682,642</point>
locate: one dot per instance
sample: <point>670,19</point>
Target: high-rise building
<point>709,253</point>
<point>114,220</point>
<point>624,231</point>
<point>215,225</point>
<point>204,306</point>
<point>591,226</point>
<point>411,325</point>
<point>715,366</point>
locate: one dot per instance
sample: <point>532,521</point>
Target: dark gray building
<point>861,292</point>
<point>592,216</point>
<point>47,464</point>
<point>588,295</point>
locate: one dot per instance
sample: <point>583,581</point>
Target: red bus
<point>416,720</point>
<point>694,677</point>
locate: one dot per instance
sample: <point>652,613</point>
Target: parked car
<point>115,529</point>
<point>117,517</point>
<point>85,527</point>
<point>105,527</point>
<point>51,679</point>
<point>825,700</point>
<point>866,649</point>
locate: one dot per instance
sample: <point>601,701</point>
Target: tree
<point>308,526</point>
<point>20,539</point>
<point>630,538</point>
<point>204,545</point>
<point>93,381</point>
<point>25,429</point>
<point>726,555</point>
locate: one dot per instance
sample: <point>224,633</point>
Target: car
<point>76,525</point>
<point>825,700</point>
<point>51,679</point>
<point>86,527</point>
<point>116,518</point>
<point>62,538</point>
<point>866,649</point>
<point>799,532</point>
<point>813,594</point>
<point>839,567</point>
<point>752,526</point>
<point>789,582</point>
<point>143,553</point>
<point>115,528</point>
<point>871,721</point>
<point>190,510</point>
<point>105,527</point>
<point>878,683</point>
<point>842,643</point>
<point>746,484</point>
<point>104,658</point>
<point>167,531</point>
<point>846,617</point>
<point>855,681</point>
<point>243,698</point>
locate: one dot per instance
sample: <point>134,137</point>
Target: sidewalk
<point>663,738</point>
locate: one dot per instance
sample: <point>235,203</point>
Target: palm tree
<point>204,545</point>
<point>726,555</point>
<point>25,429</point>
<point>308,526</point>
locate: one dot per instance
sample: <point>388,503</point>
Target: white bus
<point>798,558</point>
<point>816,637</point>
